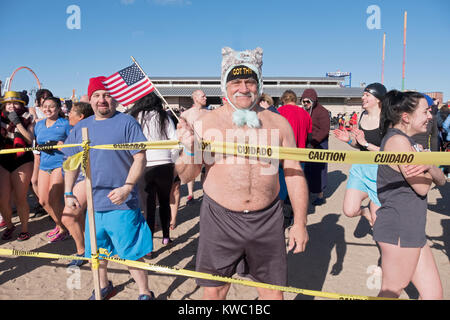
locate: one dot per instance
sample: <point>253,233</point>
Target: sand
<point>341,256</point>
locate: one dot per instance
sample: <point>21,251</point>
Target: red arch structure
<point>29,69</point>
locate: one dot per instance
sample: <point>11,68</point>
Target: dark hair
<point>24,96</point>
<point>40,93</point>
<point>151,102</point>
<point>83,108</point>
<point>394,104</point>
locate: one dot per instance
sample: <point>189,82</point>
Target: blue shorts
<point>122,232</point>
<point>363,177</point>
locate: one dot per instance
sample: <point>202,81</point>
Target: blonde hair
<point>265,97</point>
<point>289,96</point>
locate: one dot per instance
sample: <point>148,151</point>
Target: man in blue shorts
<point>121,228</point>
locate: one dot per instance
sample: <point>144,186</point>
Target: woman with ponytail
<point>361,182</point>
<point>158,175</point>
<point>399,227</point>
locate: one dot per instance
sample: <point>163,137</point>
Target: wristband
<point>349,141</point>
<point>68,193</point>
<point>187,152</point>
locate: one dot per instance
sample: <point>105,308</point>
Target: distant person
<point>298,118</point>
<point>441,116</point>
<point>266,102</point>
<point>316,173</point>
<point>402,189</point>
<point>197,109</point>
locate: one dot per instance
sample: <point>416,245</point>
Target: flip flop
<point>59,237</point>
<point>53,232</point>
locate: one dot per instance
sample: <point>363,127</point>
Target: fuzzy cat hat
<point>242,65</point>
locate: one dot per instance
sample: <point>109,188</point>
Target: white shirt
<point>150,127</point>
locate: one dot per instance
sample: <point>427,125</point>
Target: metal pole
<point>384,50</point>
<point>404,51</point>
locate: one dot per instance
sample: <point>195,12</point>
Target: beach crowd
<point>243,210</point>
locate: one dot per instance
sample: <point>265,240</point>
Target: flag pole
<point>404,50</point>
<point>159,94</point>
<point>91,219</point>
<point>384,51</point>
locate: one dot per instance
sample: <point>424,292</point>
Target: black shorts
<point>11,162</point>
<point>251,244</point>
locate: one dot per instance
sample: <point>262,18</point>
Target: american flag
<point>128,85</point>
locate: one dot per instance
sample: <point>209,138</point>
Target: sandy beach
<point>341,256</point>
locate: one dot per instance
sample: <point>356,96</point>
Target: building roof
<point>186,91</point>
<point>274,86</point>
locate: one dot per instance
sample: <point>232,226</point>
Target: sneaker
<point>23,236</point>
<point>105,293</point>
<point>39,212</point>
<point>147,297</point>
<point>7,235</point>
<point>77,262</point>
<point>319,202</point>
<point>59,237</point>
<point>166,241</point>
<point>190,200</point>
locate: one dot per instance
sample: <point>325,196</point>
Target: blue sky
<point>185,37</point>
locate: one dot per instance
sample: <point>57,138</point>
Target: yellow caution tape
<point>104,254</point>
<point>328,156</point>
<point>165,144</point>
<point>38,148</point>
<point>34,254</point>
<point>268,152</point>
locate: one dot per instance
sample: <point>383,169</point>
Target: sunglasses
<point>306,101</point>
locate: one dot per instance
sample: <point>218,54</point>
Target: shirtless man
<point>241,219</point>
<point>191,115</point>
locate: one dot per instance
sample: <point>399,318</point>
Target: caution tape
<point>103,254</point>
<point>328,156</point>
<point>38,148</point>
<point>263,152</point>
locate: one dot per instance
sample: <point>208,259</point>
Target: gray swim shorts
<point>250,243</point>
